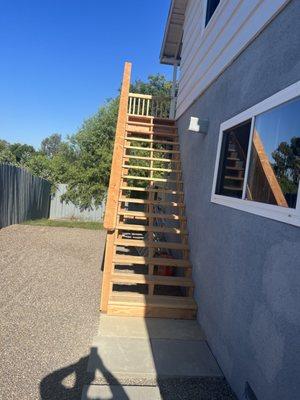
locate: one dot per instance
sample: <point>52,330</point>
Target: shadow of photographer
<point>52,386</point>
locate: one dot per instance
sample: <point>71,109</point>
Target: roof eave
<point>170,50</point>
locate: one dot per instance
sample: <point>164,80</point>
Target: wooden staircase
<point>147,271</point>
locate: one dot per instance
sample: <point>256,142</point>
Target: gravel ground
<point>50,284</point>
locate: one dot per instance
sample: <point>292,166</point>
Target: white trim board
<point>278,213</point>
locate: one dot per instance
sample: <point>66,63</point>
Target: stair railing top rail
<point>149,106</point>
<point>110,216</point>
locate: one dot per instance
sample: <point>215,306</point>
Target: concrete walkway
<point>136,358</point>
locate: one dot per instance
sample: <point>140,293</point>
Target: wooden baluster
<point>130,106</point>
<point>143,107</point>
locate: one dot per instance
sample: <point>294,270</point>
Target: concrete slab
<point>116,358</point>
<point>96,392</point>
<point>134,327</point>
<point>188,358</point>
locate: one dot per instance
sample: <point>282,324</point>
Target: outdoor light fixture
<point>198,125</point>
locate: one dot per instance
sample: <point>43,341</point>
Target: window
<point>258,163</point>
<point>210,9</point>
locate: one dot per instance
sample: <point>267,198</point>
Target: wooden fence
<point>22,196</point>
<point>62,210</point>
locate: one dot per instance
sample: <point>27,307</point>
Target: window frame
<point>278,213</point>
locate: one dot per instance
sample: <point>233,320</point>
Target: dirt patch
<point>49,305</point>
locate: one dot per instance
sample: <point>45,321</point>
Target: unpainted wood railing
<point>148,105</point>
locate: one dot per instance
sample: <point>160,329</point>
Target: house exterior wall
<point>206,51</point>
<point>246,267</point>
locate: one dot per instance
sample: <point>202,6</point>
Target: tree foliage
<point>157,85</point>
<point>51,145</point>
<point>287,164</point>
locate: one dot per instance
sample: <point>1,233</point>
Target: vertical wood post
<point>109,222</point>
<point>111,210</point>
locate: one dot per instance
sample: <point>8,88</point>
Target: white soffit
<point>171,46</point>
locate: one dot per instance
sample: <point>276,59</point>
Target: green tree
<point>89,172</point>
<point>287,164</point>
<point>22,152</point>
<point>157,85</point>
<point>51,145</point>
<point>41,166</point>
<point>6,155</point>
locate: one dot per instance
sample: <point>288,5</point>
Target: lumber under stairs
<point>147,271</point>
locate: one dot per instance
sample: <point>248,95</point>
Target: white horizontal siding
<point>207,51</point>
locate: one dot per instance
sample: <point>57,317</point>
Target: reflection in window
<point>233,160</point>
<point>274,170</point>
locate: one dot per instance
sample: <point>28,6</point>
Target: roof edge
<point>164,56</point>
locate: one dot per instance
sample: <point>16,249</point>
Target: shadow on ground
<point>67,383</point>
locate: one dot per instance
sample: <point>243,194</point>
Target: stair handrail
<point>110,216</point>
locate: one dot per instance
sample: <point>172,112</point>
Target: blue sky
<point>60,59</point>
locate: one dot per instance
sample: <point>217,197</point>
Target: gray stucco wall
<point>246,267</point>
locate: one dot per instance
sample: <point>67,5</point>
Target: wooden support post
<point>112,202</point>
<point>116,167</point>
<point>108,267</point>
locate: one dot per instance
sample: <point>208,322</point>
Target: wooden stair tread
<point>158,301</point>
<point>137,139</point>
<point>234,178</point>
<point>147,124</point>
<point>150,132</point>
<point>146,244</point>
<point>174,217</point>
<point>143,228</point>
<point>152,179</point>
<point>150,168</point>
<point>233,188</point>
<point>154,279</point>
<point>167,160</point>
<point>140,260</point>
<point>156,202</point>
<point>149,149</point>
<point>158,190</point>
<point>235,168</point>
